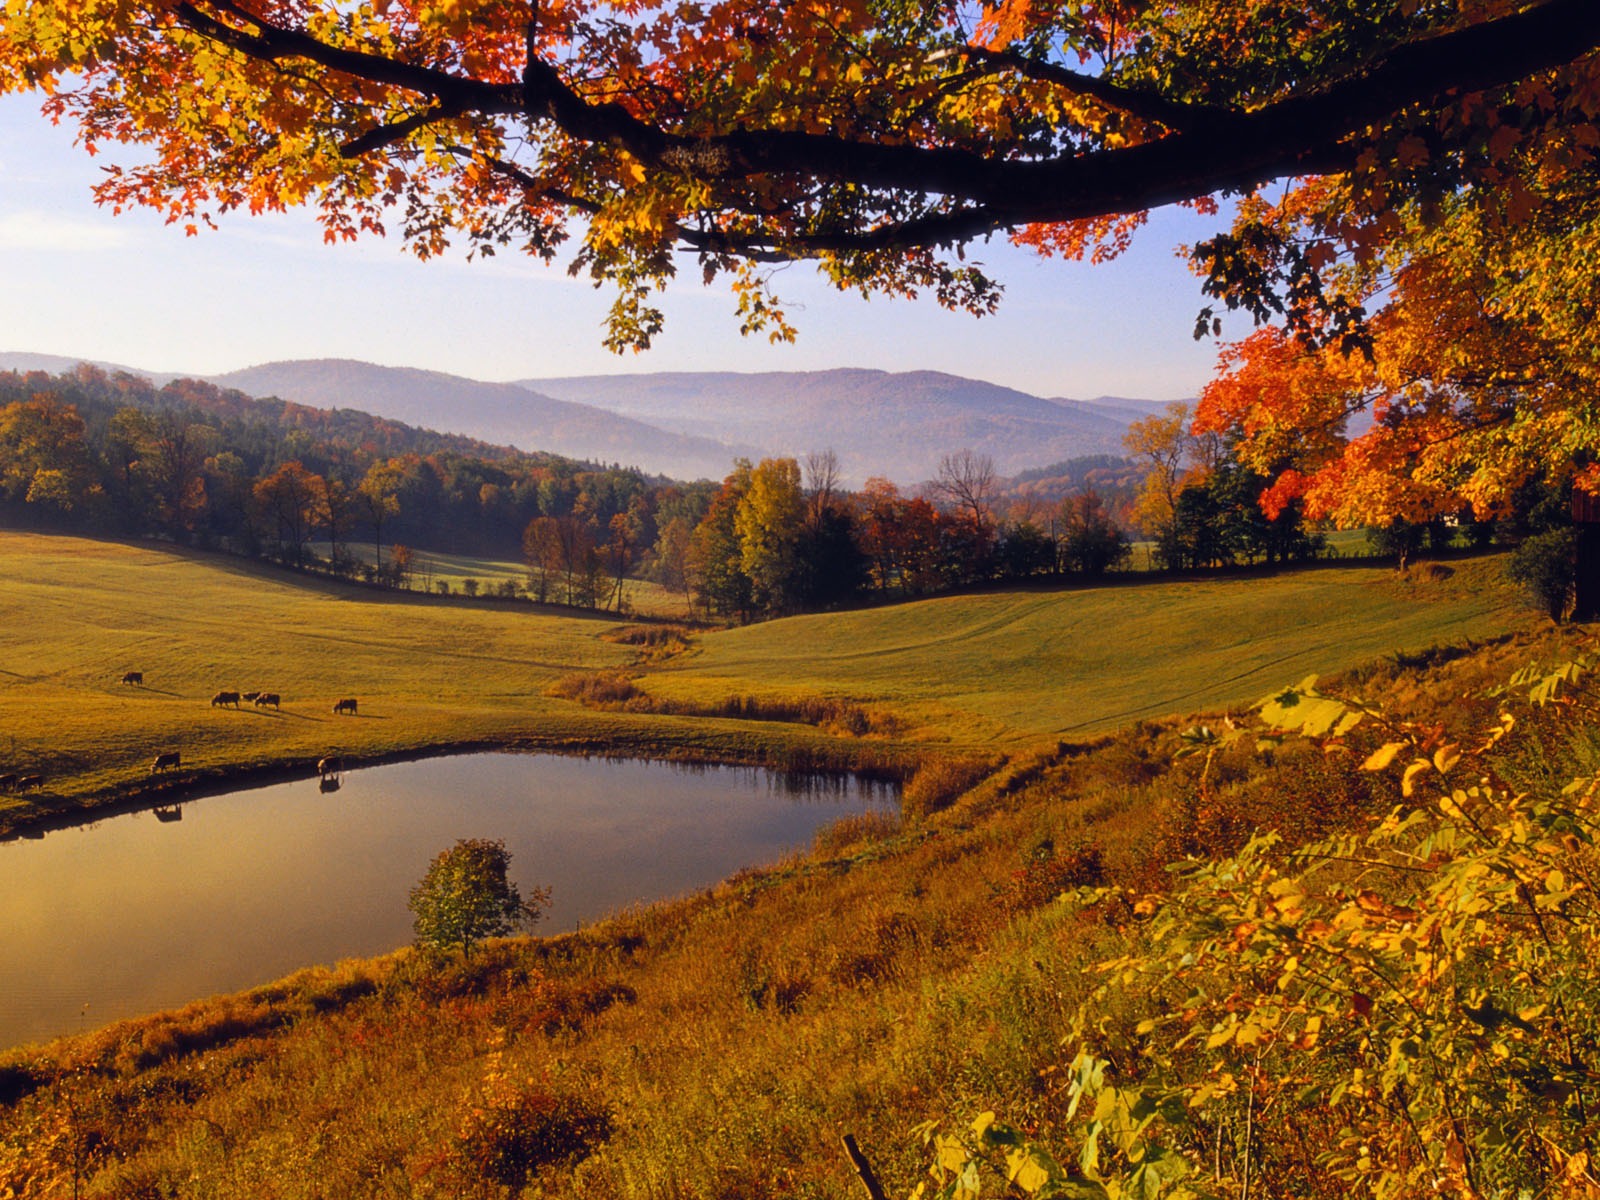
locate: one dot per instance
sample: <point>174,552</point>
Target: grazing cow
<point>29,783</point>
<point>250,696</point>
<point>347,705</point>
<point>329,783</point>
<point>133,677</point>
<point>167,760</point>
<point>222,698</point>
<point>265,698</point>
<point>331,765</point>
<point>8,783</point>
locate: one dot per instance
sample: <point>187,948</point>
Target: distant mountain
<point>878,422</point>
<point>60,364</point>
<point>493,412</point>
<point>693,424</point>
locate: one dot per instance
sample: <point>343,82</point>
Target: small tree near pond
<point>466,897</point>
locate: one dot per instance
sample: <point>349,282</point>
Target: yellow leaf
<point>1379,759</point>
<point>1408,781</point>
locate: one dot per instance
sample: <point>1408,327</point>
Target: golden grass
<point>1015,667</point>
<point>868,688</point>
<point>898,973</point>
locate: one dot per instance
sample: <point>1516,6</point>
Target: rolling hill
<point>693,425</point>
<point>895,424</point>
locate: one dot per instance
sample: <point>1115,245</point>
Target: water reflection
<point>133,914</point>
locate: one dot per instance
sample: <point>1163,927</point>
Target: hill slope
<point>897,425</point>
<point>494,412</point>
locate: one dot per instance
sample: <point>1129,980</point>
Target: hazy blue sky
<point>76,281</point>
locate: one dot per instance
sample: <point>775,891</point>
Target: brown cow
<point>166,760</point>
<point>222,698</point>
<point>347,705</point>
<point>265,698</point>
<point>29,782</point>
<point>134,677</point>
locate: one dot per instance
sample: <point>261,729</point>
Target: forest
<point>343,492</point>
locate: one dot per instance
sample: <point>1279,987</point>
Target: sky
<point>77,281</point>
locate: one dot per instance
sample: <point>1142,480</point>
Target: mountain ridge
<point>693,424</point>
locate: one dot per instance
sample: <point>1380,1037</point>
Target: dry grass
<point>721,1043</point>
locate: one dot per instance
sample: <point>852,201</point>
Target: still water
<point>133,914</point>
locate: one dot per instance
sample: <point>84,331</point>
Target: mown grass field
<point>1017,666</point>
<point>968,673</point>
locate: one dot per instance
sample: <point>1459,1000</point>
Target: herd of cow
<point>172,760</point>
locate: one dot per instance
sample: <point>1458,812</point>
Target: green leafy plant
<point>467,896</point>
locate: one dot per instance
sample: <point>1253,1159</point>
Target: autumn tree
<point>173,456</point>
<point>289,496</point>
<point>378,496</point>
<point>44,458</point>
<point>716,569</point>
<point>767,522</point>
<point>1091,542</point>
<point>878,139</point>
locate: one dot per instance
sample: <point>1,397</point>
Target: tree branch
<point>1210,150</point>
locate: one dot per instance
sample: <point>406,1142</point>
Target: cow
<point>134,677</point>
<point>250,696</point>
<point>222,698</point>
<point>8,783</point>
<point>29,783</point>
<point>331,765</point>
<point>167,760</point>
<point>347,705</point>
<point>263,699</point>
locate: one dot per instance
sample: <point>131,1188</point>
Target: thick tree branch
<point>1146,106</point>
<point>1311,133</point>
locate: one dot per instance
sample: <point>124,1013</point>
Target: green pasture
<point>431,568</point>
<point>1000,669</point>
<point>79,613</point>
<point>1023,665</point>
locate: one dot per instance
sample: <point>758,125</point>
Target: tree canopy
<point>1373,161</point>
<point>877,136</point>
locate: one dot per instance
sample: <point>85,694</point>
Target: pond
<point>137,913</point>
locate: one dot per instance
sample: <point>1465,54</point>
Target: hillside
<point>902,972</point>
<point>693,425</point>
<point>495,412</point>
<point>970,672</point>
<point>894,424</point>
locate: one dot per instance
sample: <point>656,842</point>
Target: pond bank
<point>45,812</point>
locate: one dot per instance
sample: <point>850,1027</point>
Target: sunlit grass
<point>1019,665</point>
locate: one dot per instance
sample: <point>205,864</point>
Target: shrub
<point>836,837</point>
<point>515,1132</point>
<point>1543,564</point>
<point>939,782</point>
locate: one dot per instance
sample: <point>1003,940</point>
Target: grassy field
<point>430,568</point>
<point>1004,669</point>
<point>1015,666</point>
<point>717,1047</point>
